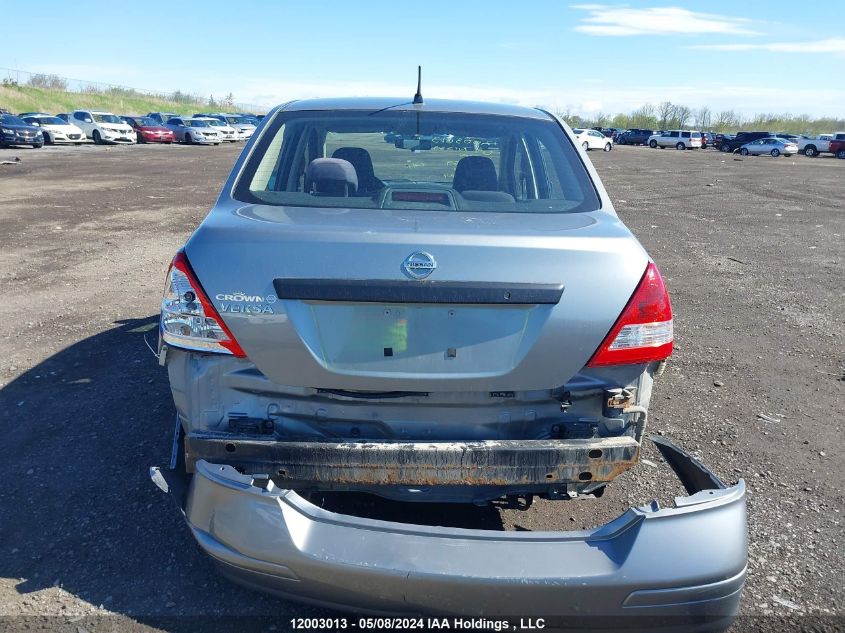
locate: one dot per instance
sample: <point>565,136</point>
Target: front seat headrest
<point>476,173</point>
<point>363,164</point>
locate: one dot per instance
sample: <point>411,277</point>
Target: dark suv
<point>634,136</point>
<point>731,145</point>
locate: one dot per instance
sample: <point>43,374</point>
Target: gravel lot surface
<point>752,251</point>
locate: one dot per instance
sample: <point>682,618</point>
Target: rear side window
<point>685,134</point>
<point>393,159</point>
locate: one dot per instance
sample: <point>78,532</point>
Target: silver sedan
<point>772,146</point>
<point>190,131</point>
<point>472,326</point>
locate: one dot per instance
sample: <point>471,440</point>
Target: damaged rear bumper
<point>652,568</point>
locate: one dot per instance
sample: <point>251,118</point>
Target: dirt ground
<point>752,251</point>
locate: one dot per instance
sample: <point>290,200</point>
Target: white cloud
<point>747,100</point>
<point>274,92</point>
<point>831,45</point>
<point>580,97</point>
<point>612,20</point>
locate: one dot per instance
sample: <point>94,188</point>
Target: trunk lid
<point>490,317</point>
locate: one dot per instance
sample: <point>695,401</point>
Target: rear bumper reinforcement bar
<point>493,462</point>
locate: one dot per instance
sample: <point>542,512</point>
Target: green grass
<point>27,99</point>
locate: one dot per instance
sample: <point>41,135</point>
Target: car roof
<point>405,104</point>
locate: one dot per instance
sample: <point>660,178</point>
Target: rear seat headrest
<point>331,177</point>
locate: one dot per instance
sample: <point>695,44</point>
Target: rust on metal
<point>491,463</point>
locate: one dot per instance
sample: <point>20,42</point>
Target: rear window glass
<point>392,159</point>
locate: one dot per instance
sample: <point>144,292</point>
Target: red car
<point>837,145</point>
<point>148,130</point>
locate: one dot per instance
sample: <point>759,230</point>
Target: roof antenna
<point>418,97</point>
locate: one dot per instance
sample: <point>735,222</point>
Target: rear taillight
<point>643,332</point>
<point>188,319</point>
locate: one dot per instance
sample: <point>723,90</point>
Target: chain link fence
<point>14,77</point>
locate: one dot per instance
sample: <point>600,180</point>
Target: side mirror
<point>88,120</point>
<point>36,124</point>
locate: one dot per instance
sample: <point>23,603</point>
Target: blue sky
<point>751,56</point>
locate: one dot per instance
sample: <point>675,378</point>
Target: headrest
<point>331,176</point>
<point>475,172</point>
<point>358,156</point>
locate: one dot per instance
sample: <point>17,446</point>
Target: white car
<point>679,139</point>
<point>770,145</point>
<point>593,139</point>
<point>56,130</point>
<point>190,131</point>
<point>815,145</point>
<point>226,131</point>
<point>103,127</point>
<point>243,127</point>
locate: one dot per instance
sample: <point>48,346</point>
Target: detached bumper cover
<point>679,564</point>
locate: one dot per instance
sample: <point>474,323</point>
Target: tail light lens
<point>643,332</point>
<point>188,319</point>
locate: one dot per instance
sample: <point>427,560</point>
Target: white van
<point>679,139</point>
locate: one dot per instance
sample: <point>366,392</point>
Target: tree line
<point>56,82</point>
<point>668,116</point>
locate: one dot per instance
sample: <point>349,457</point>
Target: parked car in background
<point>104,127</point>
<point>769,145</point>
<point>679,139</point>
<point>607,131</point>
<point>708,139</point>
<point>56,130</point>
<point>634,136</point>
<point>248,118</point>
<point>161,117</point>
<point>741,138</point>
<point>815,145</point>
<point>316,348</point>
<point>837,145</point>
<point>719,138</point>
<point>188,130</point>
<point>16,131</point>
<point>227,132</point>
<point>593,139</point>
<point>148,130</point>
<point>244,128</point>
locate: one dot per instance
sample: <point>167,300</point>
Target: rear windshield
<point>392,159</point>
